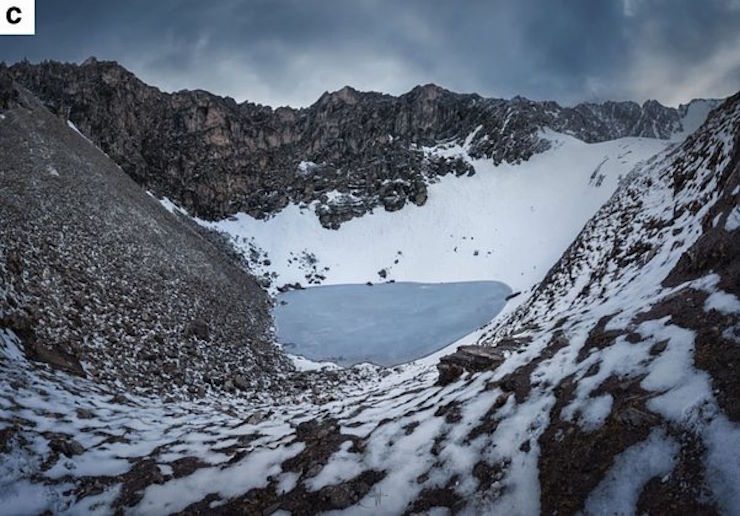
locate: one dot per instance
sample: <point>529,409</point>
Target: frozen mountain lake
<point>386,324</point>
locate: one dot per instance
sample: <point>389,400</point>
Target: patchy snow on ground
<point>618,492</point>
<point>733,219</point>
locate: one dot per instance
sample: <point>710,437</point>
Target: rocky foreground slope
<point>215,157</point>
<point>97,279</point>
<point>612,389</point>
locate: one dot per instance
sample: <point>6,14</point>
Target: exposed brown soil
<point>573,461</point>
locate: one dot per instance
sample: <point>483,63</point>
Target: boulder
<point>240,382</point>
<point>472,359</point>
<point>65,445</point>
<point>198,328</point>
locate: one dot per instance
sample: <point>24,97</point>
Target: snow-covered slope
<point>634,333</point>
<point>506,222</point>
<point>692,115</point>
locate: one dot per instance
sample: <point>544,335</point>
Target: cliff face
<point>97,279</point>
<point>216,157</point>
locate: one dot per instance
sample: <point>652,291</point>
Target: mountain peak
<point>347,95</point>
<point>429,91</point>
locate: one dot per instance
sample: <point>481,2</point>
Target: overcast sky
<point>280,52</point>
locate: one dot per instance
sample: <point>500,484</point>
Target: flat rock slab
<point>473,359</point>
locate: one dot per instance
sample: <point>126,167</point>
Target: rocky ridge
<point>348,153</point>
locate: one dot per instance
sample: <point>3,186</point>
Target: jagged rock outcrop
<point>97,279</point>
<point>351,151</point>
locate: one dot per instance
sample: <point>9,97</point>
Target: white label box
<point>17,17</point>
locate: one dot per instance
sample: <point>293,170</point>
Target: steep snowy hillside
<point>612,389</point>
<point>693,114</point>
<point>469,229</point>
<point>633,341</point>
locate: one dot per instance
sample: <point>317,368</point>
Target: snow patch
<point>172,207</point>
<point>177,494</point>
<point>618,491</point>
<point>723,302</point>
<point>507,222</point>
<point>74,128</point>
<point>733,219</point>
<point>306,167</point>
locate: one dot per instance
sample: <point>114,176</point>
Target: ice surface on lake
<point>386,324</point>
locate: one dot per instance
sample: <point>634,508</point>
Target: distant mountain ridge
<point>216,157</point>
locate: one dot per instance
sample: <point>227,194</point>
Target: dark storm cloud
<point>289,52</point>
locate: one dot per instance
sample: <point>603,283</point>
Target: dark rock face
<point>97,279</point>
<point>216,157</point>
